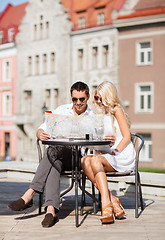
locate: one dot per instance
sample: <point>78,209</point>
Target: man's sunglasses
<point>76,99</point>
<point>97,98</point>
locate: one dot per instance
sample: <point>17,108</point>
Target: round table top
<point>76,142</point>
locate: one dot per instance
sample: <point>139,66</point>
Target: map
<point>74,126</point>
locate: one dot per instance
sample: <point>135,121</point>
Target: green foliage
<point>153,170</point>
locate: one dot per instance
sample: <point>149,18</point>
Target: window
<point>52,62</point>
<point>6,71</point>
<point>41,30</point>
<point>51,98</point>
<point>7,104</point>
<point>48,98</point>
<point>7,144</point>
<point>35,31</point>
<point>11,34</point>
<point>44,63</point>
<point>28,101</point>
<point>100,19</point>
<point>94,57</point>
<point>47,29</point>
<point>105,55</point>
<point>81,22</point>
<point>80,59</point>
<point>144,53</point>
<point>37,64</point>
<point>146,152</point>
<point>144,98</point>
<point>29,66</point>
<point>1,36</point>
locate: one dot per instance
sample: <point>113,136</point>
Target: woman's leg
<point>86,166</point>
<point>99,166</point>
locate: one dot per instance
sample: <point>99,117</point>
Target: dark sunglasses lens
<point>82,99</point>
<point>96,98</point>
<point>74,99</point>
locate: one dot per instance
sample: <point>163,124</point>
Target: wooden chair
<point>138,143</point>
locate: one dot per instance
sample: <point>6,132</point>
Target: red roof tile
<point>146,8</point>
<point>12,15</point>
<point>144,13</point>
<point>148,4</point>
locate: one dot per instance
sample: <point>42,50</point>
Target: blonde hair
<point>110,99</point>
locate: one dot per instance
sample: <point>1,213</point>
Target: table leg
<point>76,184</point>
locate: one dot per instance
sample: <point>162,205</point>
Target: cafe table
<point>76,144</point>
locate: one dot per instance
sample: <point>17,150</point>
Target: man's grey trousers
<point>48,173</point>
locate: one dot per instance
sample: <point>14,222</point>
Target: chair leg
<point>99,204</point>
<point>83,193</point>
<point>140,192</point>
<point>94,202</point>
<point>40,202</point>
<point>136,195</point>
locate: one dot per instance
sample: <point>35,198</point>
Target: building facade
<point>9,22</point>
<point>43,72</point>
<point>141,44</point>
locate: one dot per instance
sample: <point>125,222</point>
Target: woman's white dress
<point>126,159</point>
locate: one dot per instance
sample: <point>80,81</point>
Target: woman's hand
<point>111,138</point>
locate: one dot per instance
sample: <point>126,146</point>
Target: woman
<point>121,157</point>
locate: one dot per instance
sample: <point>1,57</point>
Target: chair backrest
<point>138,143</point>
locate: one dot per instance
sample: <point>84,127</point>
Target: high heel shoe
<point>107,214</point>
<point>117,208</point>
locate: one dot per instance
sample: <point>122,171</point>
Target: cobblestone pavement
<point>26,225</point>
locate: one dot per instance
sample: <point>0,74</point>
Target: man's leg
<point>37,184</point>
<point>58,157</point>
<point>52,196</point>
<point>52,187</point>
<point>42,173</point>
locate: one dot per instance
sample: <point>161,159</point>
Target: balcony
<point>22,119</point>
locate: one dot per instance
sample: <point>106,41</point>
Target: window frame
<point>100,18</point>
<point>5,79</point>
<point>11,34</point>
<point>81,22</point>
<point>95,56</point>
<point>4,97</point>
<point>139,50</point>
<point>138,94</point>
<point>1,37</point>
<point>80,59</point>
<point>105,56</point>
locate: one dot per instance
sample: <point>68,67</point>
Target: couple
<point>122,156</point>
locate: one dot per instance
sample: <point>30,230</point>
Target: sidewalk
<point>26,225</point>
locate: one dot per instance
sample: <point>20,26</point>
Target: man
<point>49,169</point>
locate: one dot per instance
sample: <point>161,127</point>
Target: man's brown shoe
<point>19,205</point>
<point>49,220</point>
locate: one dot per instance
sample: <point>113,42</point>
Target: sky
<point>4,3</point>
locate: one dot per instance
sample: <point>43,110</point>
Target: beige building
<point>43,70</point>
<point>141,43</point>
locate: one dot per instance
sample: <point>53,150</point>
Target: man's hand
<point>111,138</point>
<point>42,135</point>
